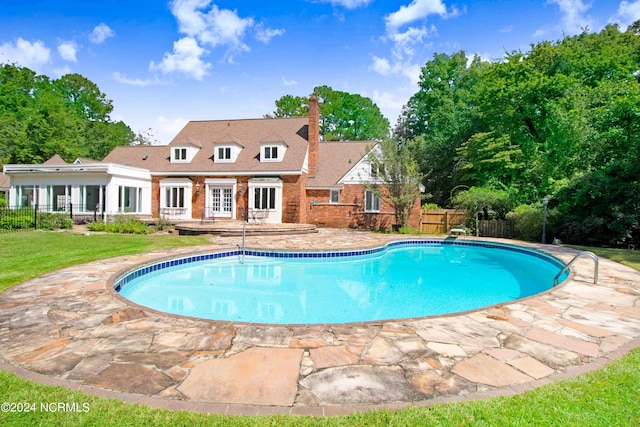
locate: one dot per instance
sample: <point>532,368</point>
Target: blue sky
<point>164,63</point>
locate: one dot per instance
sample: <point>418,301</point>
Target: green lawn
<point>607,397</point>
<point>25,255</point>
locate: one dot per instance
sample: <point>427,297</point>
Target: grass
<point>605,397</point>
<point>623,256</point>
<point>25,255</point>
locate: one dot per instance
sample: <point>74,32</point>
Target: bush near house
<point>120,224</point>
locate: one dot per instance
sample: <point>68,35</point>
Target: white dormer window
<point>272,151</point>
<point>179,154</point>
<point>224,153</point>
<point>183,154</point>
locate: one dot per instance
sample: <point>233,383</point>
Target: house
<point>4,189</point>
<point>271,170</point>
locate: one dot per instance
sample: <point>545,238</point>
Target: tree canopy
<point>343,116</point>
<point>560,120</point>
<point>40,117</point>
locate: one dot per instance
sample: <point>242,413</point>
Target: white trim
<point>267,215</point>
<point>259,173</point>
<point>177,212</point>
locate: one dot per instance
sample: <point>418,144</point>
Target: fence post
<point>446,221</point>
<point>35,216</point>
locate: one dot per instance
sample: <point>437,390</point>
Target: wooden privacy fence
<point>440,221</point>
<point>496,228</point>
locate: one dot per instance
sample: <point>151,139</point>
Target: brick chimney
<point>314,134</point>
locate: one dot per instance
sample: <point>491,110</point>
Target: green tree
<point>40,117</point>
<point>398,177</point>
<point>442,114</point>
<point>291,106</point>
<point>343,116</point>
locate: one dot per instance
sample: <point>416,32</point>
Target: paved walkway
<point>67,328</point>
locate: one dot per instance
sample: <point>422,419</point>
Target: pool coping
<point>414,355</point>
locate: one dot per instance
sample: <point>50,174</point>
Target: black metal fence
<point>43,217</point>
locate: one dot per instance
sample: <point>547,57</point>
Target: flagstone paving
<point>68,328</point>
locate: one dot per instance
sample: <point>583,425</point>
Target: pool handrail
<point>589,254</point>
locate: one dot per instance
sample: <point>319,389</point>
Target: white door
<point>221,202</point>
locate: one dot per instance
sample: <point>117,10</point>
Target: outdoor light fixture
<point>545,202</point>
<point>197,187</point>
<point>240,189</point>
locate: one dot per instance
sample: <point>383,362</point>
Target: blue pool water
<point>403,280</point>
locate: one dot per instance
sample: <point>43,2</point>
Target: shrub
<point>120,224</point>
<point>431,206</point>
<point>16,219</point>
<point>163,224</point>
<point>527,222</point>
<point>54,221</point>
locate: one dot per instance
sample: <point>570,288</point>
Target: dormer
<point>183,153</point>
<point>227,150</point>
<point>272,149</point>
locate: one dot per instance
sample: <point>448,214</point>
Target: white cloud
<point>68,51</point>
<point>207,25</point>
<point>288,82</point>
<point>186,59</point>
<point>381,66</point>
<point>121,78</point>
<point>573,13</point>
<point>406,42</point>
<point>402,53</point>
<point>417,10</point>
<point>266,34</point>
<point>217,27</point>
<point>165,129</point>
<point>348,4</point>
<point>62,71</point>
<point>391,103</point>
<point>573,19</point>
<point>100,33</point>
<point>24,53</point>
<point>628,12</point>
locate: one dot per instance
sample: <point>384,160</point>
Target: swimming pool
<point>405,279</point>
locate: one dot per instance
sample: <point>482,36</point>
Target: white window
<point>264,198</point>
<point>224,153</point>
<point>174,197</point>
<point>271,152</point>
<point>180,154</point>
<point>334,197</point>
<point>129,199</point>
<point>91,198</point>
<point>27,195</point>
<point>371,202</point>
<point>58,197</point>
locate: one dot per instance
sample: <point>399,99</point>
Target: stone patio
<point>67,328</point>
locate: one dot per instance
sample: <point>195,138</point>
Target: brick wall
<point>349,213</point>
<point>294,199</point>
